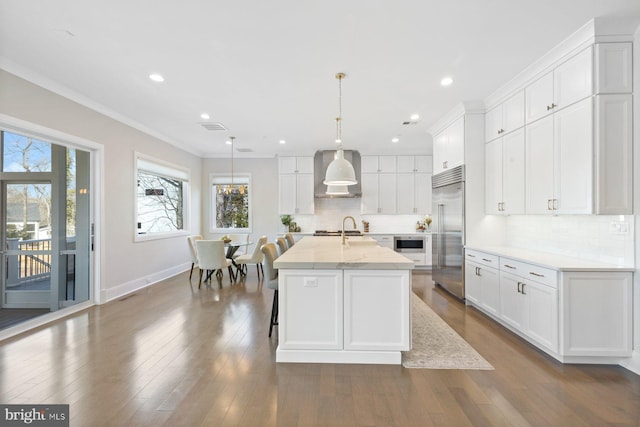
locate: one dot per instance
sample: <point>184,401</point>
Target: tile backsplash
<point>329,213</point>
<point>606,238</point>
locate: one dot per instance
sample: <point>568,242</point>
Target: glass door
<point>27,243</point>
<point>45,238</point>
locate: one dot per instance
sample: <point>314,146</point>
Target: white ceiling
<point>265,69</point>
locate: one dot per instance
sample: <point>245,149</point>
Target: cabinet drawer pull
<point>487,260</point>
<point>471,255</point>
<point>509,266</point>
<point>536,274</point>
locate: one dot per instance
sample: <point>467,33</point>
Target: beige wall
<point>125,265</point>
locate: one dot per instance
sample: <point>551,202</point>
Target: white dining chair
<point>290,240</point>
<point>254,258</point>
<point>282,245</point>
<point>240,238</point>
<point>212,258</point>
<point>194,252</point>
<point>270,277</point>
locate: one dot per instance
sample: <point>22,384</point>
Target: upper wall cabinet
<point>448,147</point>
<point>378,164</point>
<point>570,82</point>
<point>410,164</point>
<point>295,194</point>
<point>505,117</point>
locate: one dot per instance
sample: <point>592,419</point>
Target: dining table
<point>232,248</point>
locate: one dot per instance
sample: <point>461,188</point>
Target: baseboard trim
<point>141,283</point>
<point>632,363</point>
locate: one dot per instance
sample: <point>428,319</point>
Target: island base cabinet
<point>372,322</point>
<point>597,315</point>
<point>310,309</point>
<point>343,316</point>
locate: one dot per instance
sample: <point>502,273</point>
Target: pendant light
<point>340,172</point>
<point>231,188</point>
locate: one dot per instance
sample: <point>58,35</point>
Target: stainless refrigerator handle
<point>440,236</point>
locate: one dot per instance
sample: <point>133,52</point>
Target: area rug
<point>435,345</point>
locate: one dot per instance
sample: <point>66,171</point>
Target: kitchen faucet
<point>354,226</point>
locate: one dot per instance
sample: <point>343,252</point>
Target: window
<point>230,203</point>
<point>25,154</point>
<point>161,199</point>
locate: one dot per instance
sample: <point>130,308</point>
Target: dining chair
<point>290,240</point>
<point>211,257</point>
<point>254,258</point>
<point>282,245</point>
<point>194,252</point>
<point>270,277</point>
<point>241,238</point>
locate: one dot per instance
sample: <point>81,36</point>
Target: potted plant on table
<point>286,220</point>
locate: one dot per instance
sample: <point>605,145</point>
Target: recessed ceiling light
<point>446,81</point>
<point>282,141</point>
<point>205,116</point>
<point>395,140</point>
<point>156,77</point>
<point>414,117</point>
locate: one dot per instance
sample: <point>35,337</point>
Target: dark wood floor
<point>177,356</point>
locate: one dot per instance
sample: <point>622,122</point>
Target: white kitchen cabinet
<point>613,69</point>
<point>505,117</point>
<point>378,164</point>
<point>384,240</point>
<point>414,164</point>
<point>559,164</point>
<point>344,310</point>
<point>505,174</point>
<point>596,310</point>
<point>414,190</point>
<point>296,185</point>
<point>570,82</point>
<point>315,321</point>
<point>482,284</point>
<point>379,193</point>
<point>575,316</point>
<point>374,323</point>
<point>448,147</point>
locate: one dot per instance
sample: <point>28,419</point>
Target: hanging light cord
<point>232,140</point>
<point>339,76</point>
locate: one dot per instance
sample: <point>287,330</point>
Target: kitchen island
<point>343,304</point>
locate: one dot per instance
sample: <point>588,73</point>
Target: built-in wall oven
<point>410,244</point>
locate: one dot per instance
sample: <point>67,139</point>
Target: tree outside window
<point>161,198</point>
<point>230,203</point>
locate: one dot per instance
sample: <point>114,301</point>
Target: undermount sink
<point>361,241</point>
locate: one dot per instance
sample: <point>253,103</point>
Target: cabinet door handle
<point>536,274</point>
<point>478,271</point>
<point>519,283</point>
<point>551,107</point>
<point>555,207</point>
<point>549,207</point>
<point>523,292</point>
<point>509,266</point>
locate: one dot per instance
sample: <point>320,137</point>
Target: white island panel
<point>313,315</point>
<point>372,322</point>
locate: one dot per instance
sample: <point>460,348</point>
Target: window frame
<point>168,170</point>
<point>212,209</point>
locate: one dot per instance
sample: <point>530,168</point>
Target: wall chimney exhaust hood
<point>321,161</point>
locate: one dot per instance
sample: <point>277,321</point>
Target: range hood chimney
<point>321,161</point>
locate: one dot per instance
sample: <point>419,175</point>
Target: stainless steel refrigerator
<point>448,230</point>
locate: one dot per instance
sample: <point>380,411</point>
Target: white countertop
<point>327,252</point>
<point>544,259</point>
